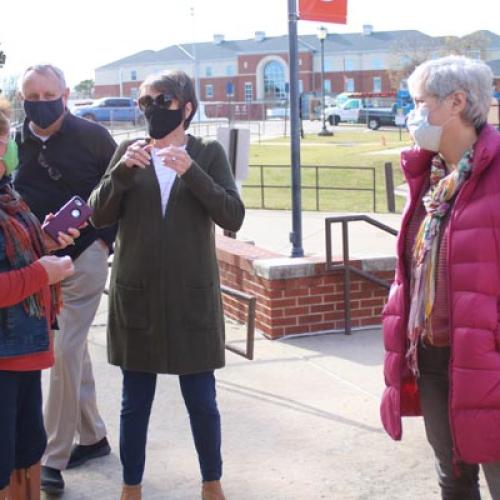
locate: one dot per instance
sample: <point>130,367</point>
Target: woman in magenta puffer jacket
<point>442,319</point>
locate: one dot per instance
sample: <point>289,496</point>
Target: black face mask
<point>44,113</point>
<point>162,121</point>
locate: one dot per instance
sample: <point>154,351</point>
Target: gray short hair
<point>441,77</point>
<point>179,85</point>
<point>45,69</point>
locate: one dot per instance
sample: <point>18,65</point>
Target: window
<point>352,104</point>
<point>376,63</point>
<point>208,70</point>
<point>328,85</point>
<point>301,86</point>
<point>404,61</point>
<point>349,84</point>
<point>377,84</point>
<point>117,103</point>
<point>229,89</point>
<point>133,75</point>
<point>349,64</point>
<point>248,91</point>
<point>274,80</point>
<point>230,71</point>
<point>474,54</point>
<point>209,90</point>
<point>328,64</point>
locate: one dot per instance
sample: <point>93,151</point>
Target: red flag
<point>327,11</point>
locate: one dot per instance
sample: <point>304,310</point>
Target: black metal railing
<point>317,187</point>
<point>250,300</point>
<point>346,266</point>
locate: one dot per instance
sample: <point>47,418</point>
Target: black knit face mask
<point>161,121</point>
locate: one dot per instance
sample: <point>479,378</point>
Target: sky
<point>81,36</point>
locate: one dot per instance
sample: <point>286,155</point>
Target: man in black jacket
<point>62,155</point>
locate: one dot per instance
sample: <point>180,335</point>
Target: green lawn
<point>346,148</point>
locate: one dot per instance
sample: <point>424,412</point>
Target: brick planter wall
<point>296,296</point>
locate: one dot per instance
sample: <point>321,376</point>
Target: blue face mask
<point>44,113</point>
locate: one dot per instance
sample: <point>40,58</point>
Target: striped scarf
<point>437,202</point>
<point>23,246</point>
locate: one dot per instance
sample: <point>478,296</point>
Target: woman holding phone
<point>165,313</point>
<point>29,301</point>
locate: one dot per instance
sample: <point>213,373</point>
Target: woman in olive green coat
<point>165,309</point>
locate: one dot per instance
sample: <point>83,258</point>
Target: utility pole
<point>296,234</point>
<point>195,72</point>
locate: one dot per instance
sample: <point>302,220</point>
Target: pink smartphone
<point>73,214</point>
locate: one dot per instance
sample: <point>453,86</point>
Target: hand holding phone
<point>72,215</point>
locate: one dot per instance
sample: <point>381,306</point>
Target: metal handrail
<point>346,266</point>
<point>251,302</point>
<point>316,186</point>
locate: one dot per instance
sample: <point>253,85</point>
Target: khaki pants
<point>71,406</point>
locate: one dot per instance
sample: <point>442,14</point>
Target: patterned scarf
<point>437,202</point>
<point>23,246</point>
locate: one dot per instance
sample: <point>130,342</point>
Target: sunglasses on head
<point>161,100</point>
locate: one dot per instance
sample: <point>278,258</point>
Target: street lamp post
<point>322,34</point>
<point>196,76</point>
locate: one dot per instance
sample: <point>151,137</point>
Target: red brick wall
<point>363,80</point>
<point>297,305</point>
<point>114,90</point>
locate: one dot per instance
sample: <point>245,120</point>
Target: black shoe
<point>52,481</point>
<point>81,453</point>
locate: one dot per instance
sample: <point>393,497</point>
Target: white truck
<point>345,112</point>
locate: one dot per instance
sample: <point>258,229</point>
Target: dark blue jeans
<point>22,434</point>
<point>199,395</point>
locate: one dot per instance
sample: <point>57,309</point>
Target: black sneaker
<point>52,481</point>
<point>81,453</point>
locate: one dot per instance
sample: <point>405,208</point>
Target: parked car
<point>349,106</point>
<point>111,109</point>
<point>377,117</point>
<point>345,112</point>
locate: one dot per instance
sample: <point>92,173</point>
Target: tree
<point>474,45</point>
<point>409,52</point>
<point>406,54</point>
<point>85,88</point>
<point>2,62</point>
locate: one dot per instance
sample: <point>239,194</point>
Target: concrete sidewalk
<point>270,229</point>
<point>300,422</point>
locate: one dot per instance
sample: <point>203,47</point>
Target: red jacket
<point>474,297</point>
<point>15,286</point>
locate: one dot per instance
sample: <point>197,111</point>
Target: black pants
<point>22,434</point>
<point>461,484</point>
<point>434,385</point>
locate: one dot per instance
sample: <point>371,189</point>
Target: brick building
<point>248,72</point>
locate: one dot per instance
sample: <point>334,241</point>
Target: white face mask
<point>425,135</point>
